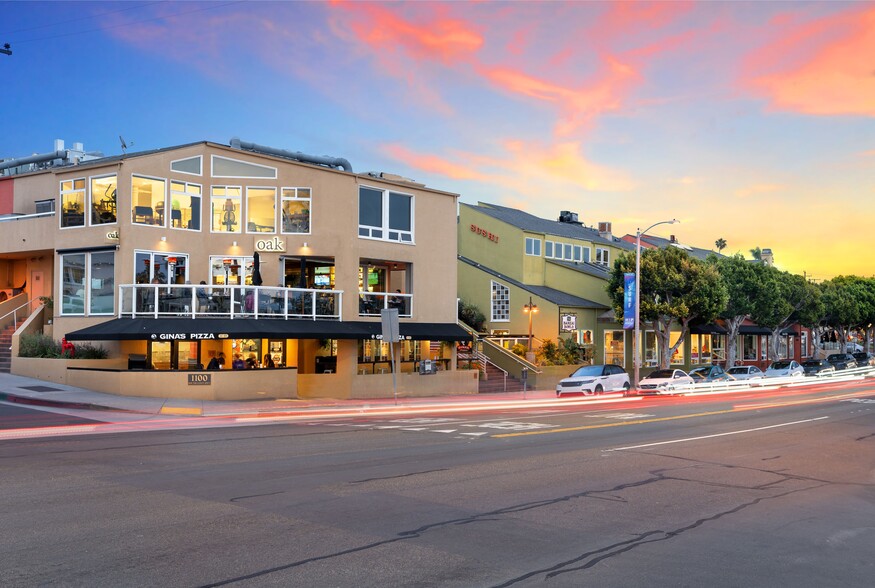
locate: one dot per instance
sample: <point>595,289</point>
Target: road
<point>749,489</point>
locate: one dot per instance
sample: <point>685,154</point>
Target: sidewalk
<point>33,392</point>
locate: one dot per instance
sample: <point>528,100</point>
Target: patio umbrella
<point>256,270</point>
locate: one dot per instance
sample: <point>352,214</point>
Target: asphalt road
<point>19,417</point>
<point>761,489</point>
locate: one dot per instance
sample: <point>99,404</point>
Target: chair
<point>143,214</point>
<point>176,217</point>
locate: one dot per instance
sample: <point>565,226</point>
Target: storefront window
<point>764,347</point>
<point>615,347</point>
<point>231,271</point>
<point>677,356</point>
<point>73,284</point>
<point>804,344</point>
<point>160,268</point>
<point>225,209</point>
<point>651,359</point>
<point>700,352</point>
<point>749,347</point>
<point>718,351</point>
<point>101,282</point>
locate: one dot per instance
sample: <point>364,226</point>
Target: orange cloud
<point>821,68</point>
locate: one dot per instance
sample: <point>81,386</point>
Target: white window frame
<point>533,246</point>
<point>386,195</point>
<point>166,187</point>
<point>200,159</point>
<point>587,254</point>
<point>86,287</point>
<point>152,253</point>
<point>213,158</point>
<point>493,287</point>
<point>90,200</point>
<point>192,196</point>
<point>74,190</point>
<point>577,254</point>
<point>271,188</point>
<point>602,256</point>
<point>284,198</point>
<point>225,197</point>
<point>548,249</point>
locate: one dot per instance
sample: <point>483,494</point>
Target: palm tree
<point>757,253</point>
<point>720,244</point>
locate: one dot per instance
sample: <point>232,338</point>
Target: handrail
<point>15,310</point>
<point>481,357</point>
<point>525,363</point>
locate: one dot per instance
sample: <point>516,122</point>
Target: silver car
<point>784,368</point>
<point>595,379</point>
<point>745,372</point>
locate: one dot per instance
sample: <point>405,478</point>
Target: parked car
<point>842,361</point>
<point>664,382</point>
<point>818,367</point>
<point>863,359</point>
<point>745,372</point>
<point>709,373</point>
<point>784,368</point>
<point>594,379</point>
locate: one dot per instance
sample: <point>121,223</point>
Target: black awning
<point>434,332</point>
<point>753,330</point>
<point>709,329</point>
<point>137,329</point>
<point>127,329</point>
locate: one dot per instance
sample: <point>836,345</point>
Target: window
<point>749,347</point>
<point>586,254</point>
<point>601,256</point>
<point>191,165</point>
<point>678,356</point>
<point>225,209</point>
<point>651,348</point>
<point>783,347</point>
<point>804,344</point>
<point>548,248</point>
<point>700,349</point>
<point>533,246</point>
<point>231,271</point>
<point>103,199</point>
<point>73,203</point>
<point>567,252</point>
<point>261,210</point>
<point>224,167</point>
<point>185,206</point>
<point>147,201</point>
<point>385,215</point>
<point>615,347</point>
<point>764,347</point>
<point>296,210</point>
<point>578,253</point>
<point>718,351</point>
<point>160,267</point>
<point>500,302</point>
<point>88,281</point>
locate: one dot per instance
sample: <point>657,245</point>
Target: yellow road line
<point>181,410</point>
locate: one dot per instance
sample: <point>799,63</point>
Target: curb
<point>15,399</point>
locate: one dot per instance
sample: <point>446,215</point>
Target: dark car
<point>842,361</point>
<point>818,367</point>
<point>709,373</point>
<point>864,359</point>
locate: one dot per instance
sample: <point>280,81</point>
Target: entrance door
<point>37,285</point>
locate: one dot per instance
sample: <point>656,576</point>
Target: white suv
<point>595,379</point>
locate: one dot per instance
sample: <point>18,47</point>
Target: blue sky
<point>750,121</point>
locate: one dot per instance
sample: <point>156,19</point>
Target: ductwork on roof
<point>60,155</point>
<point>333,162</point>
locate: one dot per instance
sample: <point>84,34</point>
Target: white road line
<point>717,435</point>
<point>46,431</point>
<point>443,430</point>
<point>474,434</point>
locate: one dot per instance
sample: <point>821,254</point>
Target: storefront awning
<point>753,330</point>
<point>709,329</point>
<point>127,329</point>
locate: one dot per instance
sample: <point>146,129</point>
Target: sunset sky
<point>750,121</point>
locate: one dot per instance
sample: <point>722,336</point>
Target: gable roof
<point>662,243</point>
<point>528,222</point>
<point>557,297</point>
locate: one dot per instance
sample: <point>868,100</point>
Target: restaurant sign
<point>568,323</point>
<point>273,245</point>
<point>182,336</point>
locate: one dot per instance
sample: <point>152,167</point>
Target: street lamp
<point>636,344</point>
<point>530,309</point>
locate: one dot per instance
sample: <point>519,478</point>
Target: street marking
<point>512,426</point>
<point>860,400</point>
<point>717,435</point>
<point>620,424</point>
<point>47,431</point>
<point>619,415</point>
<point>444,430</point>
<point>424,421</point>
<point>414,429</point>
<point>475,434</point>
<point>181,410</point>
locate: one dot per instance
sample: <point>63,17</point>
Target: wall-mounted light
<point>234,244</point>
<point>164,239</point>
<point>305,243</point>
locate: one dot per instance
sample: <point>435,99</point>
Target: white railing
<point>371,303</point>
<point>201,301</point>
<point>21,310</point>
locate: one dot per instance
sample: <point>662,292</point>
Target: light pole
<point>636,344</point>
<point>530,309</point>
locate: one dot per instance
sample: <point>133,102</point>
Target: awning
<point>709,329</point>
<point>753,330</point>
<point>165,329</point>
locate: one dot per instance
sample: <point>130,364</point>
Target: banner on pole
<point>630,291</point>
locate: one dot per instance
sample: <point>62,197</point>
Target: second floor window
<point>261,210</point>
<point>225,204</point>
<point>385,215</point>
<point>602,256</point>
<point>147,201</point>
<point>103,200</point>
<point>73,203</point>
<point>296,210</point>
<point>533,246</point>
<point>185,206</point>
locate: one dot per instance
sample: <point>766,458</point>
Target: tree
<point>791,299</point>
<point>675,289</point>
<point>757,253</point>
<point>849,304</point>
<point>744,292</point>
<point>720,244</point>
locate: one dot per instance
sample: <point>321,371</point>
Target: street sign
<point>391,330</point>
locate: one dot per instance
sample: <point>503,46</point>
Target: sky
<point>753,122</point>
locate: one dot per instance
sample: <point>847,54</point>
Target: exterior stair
<point>6,347</point>
<point>493,382</point>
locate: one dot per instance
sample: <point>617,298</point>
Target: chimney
<point>673,239</point>
<point>605,230</point>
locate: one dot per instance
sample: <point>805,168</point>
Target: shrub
<point>38,345</point>
<point>519,349</point>
<point>89,351</point>
<point>472,316</point>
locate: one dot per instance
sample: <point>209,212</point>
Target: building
<point>507,257</point>
<point>173,257</point>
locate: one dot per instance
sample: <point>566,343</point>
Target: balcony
<point>161,300</point>
<point>371,303</point>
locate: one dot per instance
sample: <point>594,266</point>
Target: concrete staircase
<point>494,382</point>
<point>6,347</point>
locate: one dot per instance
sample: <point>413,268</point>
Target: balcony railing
<point>370,303</point>
<point>202,301</point>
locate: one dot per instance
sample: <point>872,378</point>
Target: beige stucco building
<point>153,256</point>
